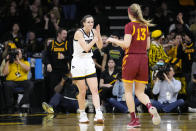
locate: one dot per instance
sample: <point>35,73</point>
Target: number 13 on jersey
<point>141,33</point>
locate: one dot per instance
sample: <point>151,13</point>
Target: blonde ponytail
<point>136,12</point>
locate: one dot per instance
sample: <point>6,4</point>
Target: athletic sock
<point>98,110</point>
<point>148,105</point>
<point>82,111</point>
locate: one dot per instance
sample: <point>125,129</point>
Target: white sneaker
<point>83,118</point>
<point>156,119</point>
<point>99,119</point>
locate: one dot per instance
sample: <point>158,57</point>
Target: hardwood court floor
<point>113,122</point>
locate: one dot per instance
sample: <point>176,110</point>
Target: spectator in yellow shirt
<point>156,51</point>
<point>16,71</point>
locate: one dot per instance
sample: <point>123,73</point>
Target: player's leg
<point>81,99</point>
<point>140,84</point>
<point>143,98</point>
<point>139,92</point>
<point>93,85</point>
<point>128,86</point>
<point>129,72</point>
<point>129,96</point>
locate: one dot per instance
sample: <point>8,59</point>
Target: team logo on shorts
<point>72,67</point>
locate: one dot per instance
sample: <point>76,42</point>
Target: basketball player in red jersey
<point>135,63</point>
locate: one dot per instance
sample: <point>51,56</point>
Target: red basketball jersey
<point>139,33</point>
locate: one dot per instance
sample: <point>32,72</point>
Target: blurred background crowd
<point>28,27</point>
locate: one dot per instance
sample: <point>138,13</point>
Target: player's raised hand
<point>98,29</point>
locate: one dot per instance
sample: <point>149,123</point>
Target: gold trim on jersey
<point>136,21</point>
<point>188,46</point>
<point>66,45</point>
<point>128,81</point>
<point>112,82</point>
<point>147,31</point>
<point>133,31</point>
<point>52,45</point>
<point>131,81</point>
<point>124,61</point>
<point>144,82</point>
<point>59,44</point>
<point>58,49</point>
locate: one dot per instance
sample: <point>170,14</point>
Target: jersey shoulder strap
<point>82,31</point>
<point>92,33</point>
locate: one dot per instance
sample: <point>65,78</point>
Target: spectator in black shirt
<point>163,17</point>
<point>31,18</point>
<point>186,52</point>
<point>52,23</point>
<point>33,45</point>
<point>15,36</point>
<point>179,26</point>
<point>57,58</point>
<point>35,21</point>
<point>65,95</point>
<point>108,79</point>
<point>115,52</point>
<point>12,15</point>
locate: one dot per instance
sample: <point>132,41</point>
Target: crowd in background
<point>31,25</point>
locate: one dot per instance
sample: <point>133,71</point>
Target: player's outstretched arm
<point>122,43</point>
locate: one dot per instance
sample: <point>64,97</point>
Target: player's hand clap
<point>95,40</point>
<point>98,29</point>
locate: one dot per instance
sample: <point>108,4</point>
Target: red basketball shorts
<point>135,68</point>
